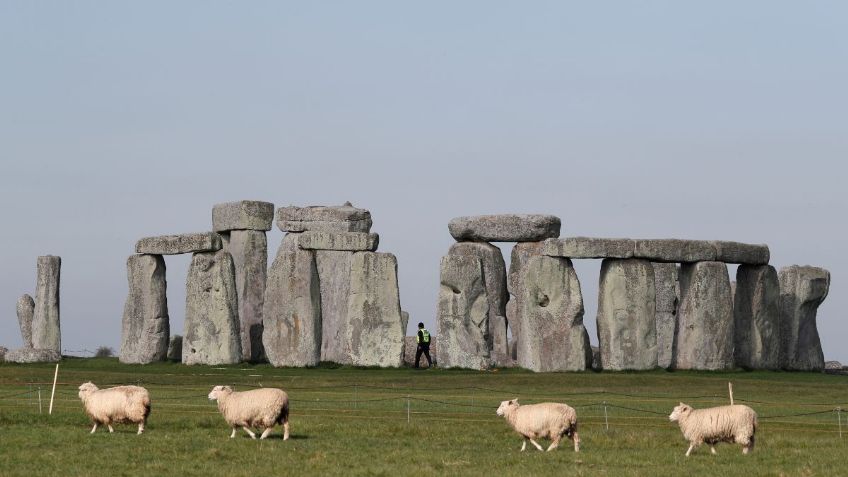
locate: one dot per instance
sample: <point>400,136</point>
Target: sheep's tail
<point>284,414</point>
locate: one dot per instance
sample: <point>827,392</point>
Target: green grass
<point>349,421</point>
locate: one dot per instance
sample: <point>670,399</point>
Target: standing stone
<point>249,249</point>
<point>145,327</point>
<point>334,283</point>
<point>463,313</point>
<point>26,311</point>
<point>552,336</point>
<point>668,291</point>
<point>211,319</point>
<point>627,327</point>
<point>494,277</point>
<point>704,338</point>
<point>519,257</point>
<point>46,332</point>
<point>505,228</point>
<point>375,325</point>
<point>175,348</point>
<point>802,290</point>
<point>756,314</point>
<point>292,311</point>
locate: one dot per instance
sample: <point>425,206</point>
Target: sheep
<point>113,405</point>
<point>261,408</point>
<point>550,420</point>
<point>736,423</point>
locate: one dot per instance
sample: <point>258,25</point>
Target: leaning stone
<point>375,330</point>
<point>292,311</point>
<point>211,319</point>
<point>175,348</point>
<point>46,331</point>
<point>519,257</point>
<point>342,241</point>
<point>145,327</point>
<point>627,328</point>
<point>674,250</point>
<point>668,292</point>
<point>177,244</point>
<point>756,314</point>
<point>334,284</point>
<point>552,336</point>
<point>463,314</point>
<point>342,218</point>
<point>249,249</point>
<point>588,247</point>
<point>704,337</point>
<point>242,215</point>
<point>742,253</point>
<point>33,355</point>
<point>802,290</point>
<point>26,310</point>
<point>505,228</point>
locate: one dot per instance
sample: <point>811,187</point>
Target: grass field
<point>405,422</point>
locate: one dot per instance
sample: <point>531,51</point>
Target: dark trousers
<point>423,349</point>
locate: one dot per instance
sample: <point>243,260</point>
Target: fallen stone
<point>33,355</point>
<point>756,313</point>
<point>668,291</point>
<point>674,250</point>
<point>342,241</point>
<point>505,228</point>
<point>242,215</point>
<point>802,290</point>
<point>343,218</point>
<point>211,320</point>
<point>145,327</point>
<point>463,314</point>
<point>177,244</point>
<point>587,247</point>
<point>519,257</point>
<point>742,253</point>
<point>26,311</point>
<point>249,249</point>
<point>46,330</point>
<point>175,348</point>
<point>704,337</point>
<point>334,284</point>
<point>627,327</point>
<point>375,330</point>
<point>292,311</point>
<point>411,347</point>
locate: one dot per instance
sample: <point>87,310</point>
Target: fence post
<point>606,420</point>
<point>355,388</point>
<point>730,391</point>
<point>53,393</point>
<point>407,409</point>
<point>39,399</point>
<point>839,418</point>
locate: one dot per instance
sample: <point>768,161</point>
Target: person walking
<point>423,340</point>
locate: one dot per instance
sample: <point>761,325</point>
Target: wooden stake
<point>53,393</point>
<point>730,390</point>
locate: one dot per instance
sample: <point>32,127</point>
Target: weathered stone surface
<point>145,327</point>
<point>596,358</point>
<point>756,315</point>
<point>33,355</point>
<point>242,215</point>
<point>404,320</point>
<point>494,277</point>
<point>211,319</point>
<point>177,244</point>
<point>463,314</point>
<point>674,250</point>
<point>26,311</point>
<point>334,284</point>
<point>589,247</point>
<point>668,291</point>
<point>249,249</point>
<point>341,218</point>
<point>375,330</point>
<point>175,348</point>
<point>627,327</point>
<point>292,311</point>
<point>46,331</point>
<point>411,347</point>
<point>704,336</point>
<point>802,290</point>
<point>552,336</point>
<point>742,253</point>
<point>343,241</point>
<point>505,228</point>
<point>519,257</point>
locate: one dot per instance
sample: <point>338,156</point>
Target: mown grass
<point>354,422</point>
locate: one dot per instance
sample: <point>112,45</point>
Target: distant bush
<point>104,352</point>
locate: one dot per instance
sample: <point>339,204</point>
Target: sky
<point>708,120</point>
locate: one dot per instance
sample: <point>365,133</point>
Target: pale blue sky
<point>718,120</point>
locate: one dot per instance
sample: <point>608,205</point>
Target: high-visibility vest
<point>426,335</point>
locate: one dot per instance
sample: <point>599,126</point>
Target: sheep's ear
<point>515,401</point>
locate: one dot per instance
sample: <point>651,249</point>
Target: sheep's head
<point>219,391</point>
<point>507,406</point>
<point>679,411</point>
<point>86,388</point>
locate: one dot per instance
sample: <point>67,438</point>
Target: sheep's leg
<point>110,428</point>
<point>691,446</point>
<point>286,431</point>
<point>249,432</point>
<point>93,428</point>
<point>712,449</point>
<point>576,439</point>
<point>554,443</point>
<point>234,432</point>
<point>537,445</point>
<point>523,444</point>
<point>265,432</point>
<point>140,428</point>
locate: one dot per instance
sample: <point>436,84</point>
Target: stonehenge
<point>756,315</point>
<point>145,323</point>
<point>26,311</point>
<point>667,288</point>
<point>38,319</point>
<point>802,290</point>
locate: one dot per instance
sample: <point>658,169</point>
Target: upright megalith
<point>292,309</point>
<point>375,323</point>
<point>704,336</point>
<point>46,332</point>
<point>175,348</point>
<point>667,288</point>
<point>551,335</point>
<point>341,218</point>
<point>519,257</point>
<point>211,320</point>
<point>334,282</point>
<point>463,314</point>
<point>26,310</point>
<point>756,313</point>
<point>505,228</point>
<point>802,290</point>
<point>249,249</point>
<point>145,325</point>
<point>627,330</point>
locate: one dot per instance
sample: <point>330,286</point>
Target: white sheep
<point>736,423</point>
<point>549,420</point>
<point>114,405</point>
<point>261,408</point>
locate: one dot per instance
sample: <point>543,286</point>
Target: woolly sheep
<point>549,420</point>
<point>260,408</point>
<point>130,404</point>
<point>735,423</point>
